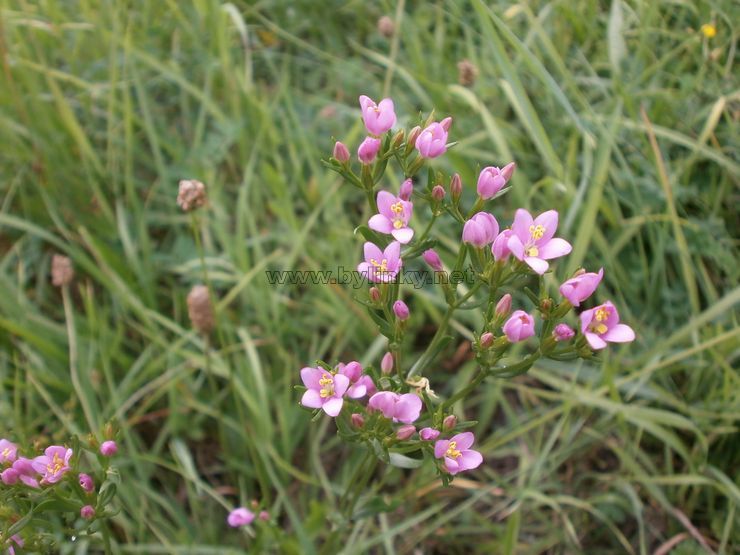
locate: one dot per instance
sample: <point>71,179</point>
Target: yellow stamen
<point>397,208</point>
<point>600,328</point>
<point>602,314</point>
<point>56,465</point>
<point>382,266</point>
<point>327,381</point>
<point>6,452</point>
<point>537,232</point>
<point>398,224</point>
<point>532,251</point>
<point>709,30</point>
<point>452,451</point>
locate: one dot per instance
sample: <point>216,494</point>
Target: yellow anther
<point>602,314</point>
<point>398,224</point>
<point>709,30</point>
<point>397,208</point>
<point>6,452</point>
<point>600,328</point>
<point>452,451</point>
<point>381,266</point>
<point>537,231</point>
<point>532,251</point>
<point>55,465</point>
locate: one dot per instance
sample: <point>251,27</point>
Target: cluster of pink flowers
<point>499,257</point>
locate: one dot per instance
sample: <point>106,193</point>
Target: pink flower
<point>581,287</point>
<point>519,327</point>
<point>53,464</point>
<point>432,141</point>
<point>368,150</point>
<point>108,448</point>
<point>407,187</point>
<point>360,383</point>
<point>393,217</point>
<point>500,248</point>
<point>378,118</point>
<point>480,230</point>
<point>563,332</point>
<point>405,432</point>
<point>428,434</point>
<point>340,153</point>
<point>492,179</point>
<point>264,516</point>
<point>503,306</point>
<point>431,257</point>
<point>8,451</point>
<point>240,517</point>
<point>403,408</point>
<point>86,482</point>
<point>386,363</point>
<point>87,512</point>
<point>532,240</point>
<point>18,541</point>
<point>401,310</point>
<point>457,453</point>
<point>325,390</point>
<point>22,470</point>
<point>381,266</point>
<point>601,325</point>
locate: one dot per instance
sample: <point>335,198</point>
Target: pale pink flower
<point>108,448</point>
<point>53,464</point>
<point>393,217</point>
<point>240,516</point>
<point>428,434</point>
<point>325,390</point>
<point>381,266</point>
<point>378,118</point>
<point>432,141</point>
<point>480,230</point>
<point>403,408</point>
<point>581,287</point>
<point>601,325</point>
<point>532,239</point>
<point>457,454</point>
<point>368,150</point>
<point>519,326</point>
<point>8,451</point>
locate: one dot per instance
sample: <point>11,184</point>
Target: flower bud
<point>449,422</point>
<point>546,305</point>
<point>386,364</point>
<point>405,432</point>
<point>264,516</point>
<point>438,193</point>
<point>467,73</point>
<point>108,448</point>
<point>503,307</point>
<point>519,327</point>
<point>386,27</point>
<point>486,340</point>
<point>191,194</point>
<point>62,272</point>
<point>368,150</point>
<point>431,257</point>
<point>456,187</point>
<point>357,420</point>
<point>407,187</point>
<point>401,310</point>
<point>428,434</point>
<point>87,512</point>
<point>86,482</point>
<point>341,153</point>
<point>200,309</point>
<point>411,139</point>
<point>397,139</point>
<point>508,170</point>
<point>374,294</point>
<point>563,332</point>
<point>446,123</point>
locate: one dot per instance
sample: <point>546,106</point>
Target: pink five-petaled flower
<point>480,230</point>
<point>378,118</point>
<point>492,179</point>
<point>368,150</point>
<point>581,287</point>
<point>53,463</point>
<point>519,327</point>
<point>532,240</point>
<point>240,516</point>
<point>601,325</point>
<point>457,453</point>
<point>381,266</point>
<point>432,141</point>
<point>360,384</point>
<point>403,408</point>
<point>393,217</point>
<point>325,390</point>
<point>8,451</point>
<point>22,470</point>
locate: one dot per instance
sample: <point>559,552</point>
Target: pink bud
<point>405,432</point>
<point>87,512</point>
<point>480,230</point>
<point>432,141</point>
<point>508,170</point>
<point>456,187</point>
<point>438,193</point>
<point>449,422</point>
<point>240,516</point>
<point>368,150</point>
<point>428,434</point>
<point>486,340</point>
<point>374,294</point>
<point>357,420</point>
<point>407,187</point>
<point>413,135</point>
<point>519,327</point>
<point>563,332</point>
<point>446,123</point>
<point>401,310</point>
<point>108,448</point>
<point>386,364</point>
<point>264,516</point>
<point>503,307</point>
<point>341,153</point>
<point>431,257</point>
<point>86,482</point>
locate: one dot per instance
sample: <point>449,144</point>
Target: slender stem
<point>422,361</point>
<point>428,228</point>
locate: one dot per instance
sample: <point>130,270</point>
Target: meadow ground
<point>623,115</point>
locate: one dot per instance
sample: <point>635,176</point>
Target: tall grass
<point>622,115</point>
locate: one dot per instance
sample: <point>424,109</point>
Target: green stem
<point>422,361</point>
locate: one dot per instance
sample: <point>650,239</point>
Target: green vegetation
<point>622,115</point>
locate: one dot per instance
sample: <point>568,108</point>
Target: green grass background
<point>620,114</point>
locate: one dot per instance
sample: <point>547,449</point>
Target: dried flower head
<point>200,309</point>
<point>62,272</point>
<point>386,27</point>
<point>192,194</point>
<point>467,73</point>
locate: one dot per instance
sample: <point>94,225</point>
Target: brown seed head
<point>386,27</point>
<point>200,309</point>
<point>62,272</point>
<point>467,73</point>
<point>192,194</point>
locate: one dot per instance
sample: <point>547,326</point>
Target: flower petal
<point>548,220</point>
<point>470,459</point>
<point>357,390</point>
<point>341,384</point>
<point>407,408</point>
<point>440,447</point>
<point>311,377</point>
<point>385,200</point>
<point>520,226</point>
<point>380,223</point>
<point>393,253</point>
<point>595,341</point>
<point>333,406</point>
<point>311,399</point>
<point>537,264</point>
<point>621,333</point>
<point>403,235</point>
<point>451,465</point>
<point>464,440</point>
<point>554,248</point>
<point>372,251</point>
